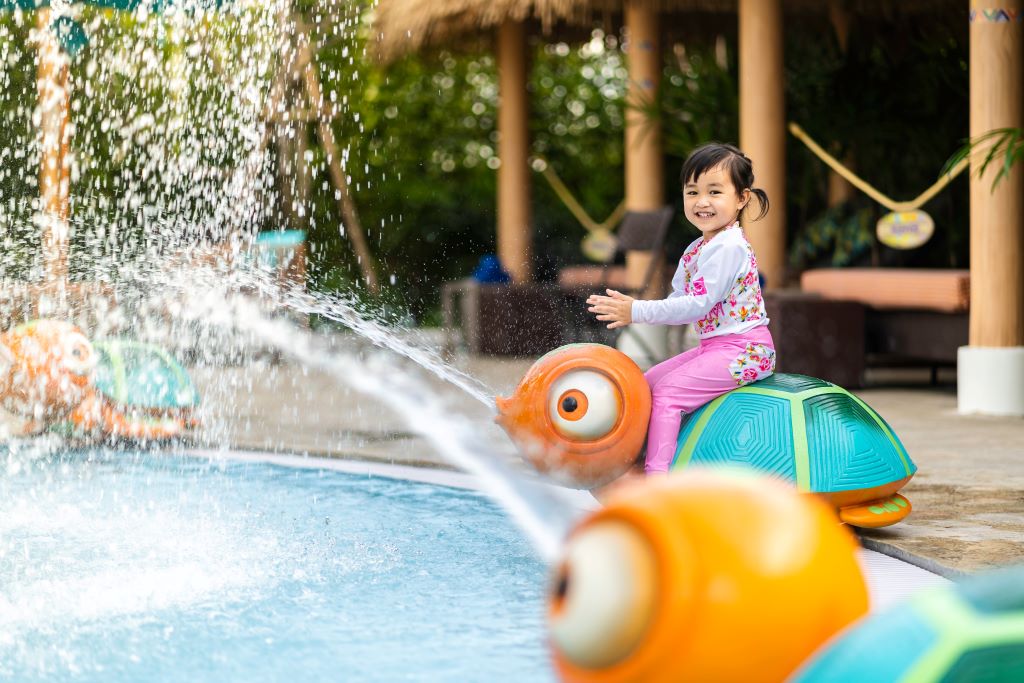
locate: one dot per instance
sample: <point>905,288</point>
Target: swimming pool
<point>128,566</point>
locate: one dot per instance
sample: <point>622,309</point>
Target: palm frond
<point>1002,146</point>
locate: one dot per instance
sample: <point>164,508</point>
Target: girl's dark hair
<point>741,172</point>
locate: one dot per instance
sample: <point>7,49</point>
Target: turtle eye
<point>78,356</point>
<point>603,597</point>
<point>584,404</point>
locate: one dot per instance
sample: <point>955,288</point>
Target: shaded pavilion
<point>991,366</point>
<point>405,26</point>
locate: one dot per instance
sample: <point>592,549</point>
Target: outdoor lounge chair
<point>639,231</point>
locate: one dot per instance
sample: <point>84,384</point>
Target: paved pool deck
<point>968,495</point>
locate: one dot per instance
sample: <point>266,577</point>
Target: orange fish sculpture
<point>45,366</point>
<point>702,576</point>
<point>47,377</point>
<point>580,415</point>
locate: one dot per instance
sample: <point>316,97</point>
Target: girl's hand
<point>616,309</point>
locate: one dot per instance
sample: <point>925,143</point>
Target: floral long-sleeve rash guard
<point>715,286</point>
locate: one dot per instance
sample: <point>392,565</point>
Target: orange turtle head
<point>701,576</point>
<point>45,368</point>
<point>579,414</point>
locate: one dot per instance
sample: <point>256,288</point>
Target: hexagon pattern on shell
<point>962,633</point>
<point>808,431</point>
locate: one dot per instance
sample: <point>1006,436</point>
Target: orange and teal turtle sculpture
<point>52,375</point>
<point>966,632</point>
<point>580,414</point>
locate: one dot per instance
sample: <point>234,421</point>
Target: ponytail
<point>762,201</point>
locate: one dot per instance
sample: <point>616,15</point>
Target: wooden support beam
<point>990,369</point>
<point>52,82</point>
<point>763,128</point>
<point>997,216</point>
<point>515,216</point>
<point>644,156</point>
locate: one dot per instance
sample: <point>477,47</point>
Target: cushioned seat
<point>945,291</point>
<point>593,277</point>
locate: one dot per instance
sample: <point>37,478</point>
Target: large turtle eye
<point>78,356</point>
<point>584,404</point>
<point>603,598</point>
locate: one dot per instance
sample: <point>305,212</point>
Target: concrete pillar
<point>991,369</point>
<point>645,171</point>
<point>515,221</point>
<point>54,173</point>
<point>763,128</point>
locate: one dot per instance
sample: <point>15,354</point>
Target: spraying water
<point>541,514</point>
<point>343,310</point>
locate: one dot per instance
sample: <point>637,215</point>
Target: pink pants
<point>686,382</point>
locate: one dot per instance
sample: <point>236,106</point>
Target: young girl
<point>715,286</point>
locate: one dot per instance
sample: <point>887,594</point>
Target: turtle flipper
<point>876,513</point>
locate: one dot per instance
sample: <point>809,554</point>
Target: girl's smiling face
<point>711,202</point>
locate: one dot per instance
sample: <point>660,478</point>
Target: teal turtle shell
<point>962,633</point>
<point>137,375</point>
<point>798,428</point>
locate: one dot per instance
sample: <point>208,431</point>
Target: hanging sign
<point>905,229</point>
<point>599,245</point>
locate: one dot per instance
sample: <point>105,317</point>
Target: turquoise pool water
<point>133,567</point>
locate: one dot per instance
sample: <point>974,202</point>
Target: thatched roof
<point>405,26</point>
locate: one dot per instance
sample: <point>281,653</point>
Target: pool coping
<point>441,475</point>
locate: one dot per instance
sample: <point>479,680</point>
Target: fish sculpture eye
<point>604,597</point>
<point>78,354</point>
<point>584,405</point>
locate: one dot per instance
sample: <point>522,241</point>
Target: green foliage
<point>577,123</point>
<point>1005,142</point>
<point>420,139</point>
<point>699,100</point>
<point>423,134</point>
<point>837,237</point>
<point>18,166</point>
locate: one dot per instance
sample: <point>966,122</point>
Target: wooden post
<point>515,220</point>
<point>762,128</point>
<point>991,369</point>
<point>997,217</point>
<point>644,166</point>
<point>52,83</point>
<point>645,171</point>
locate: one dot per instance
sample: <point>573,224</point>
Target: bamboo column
<point>515,222</point>
<point>762,127</point>
<point>991,369</point>
<point>645,173</point>
<point>644,166</point>
<point>52,82</point>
